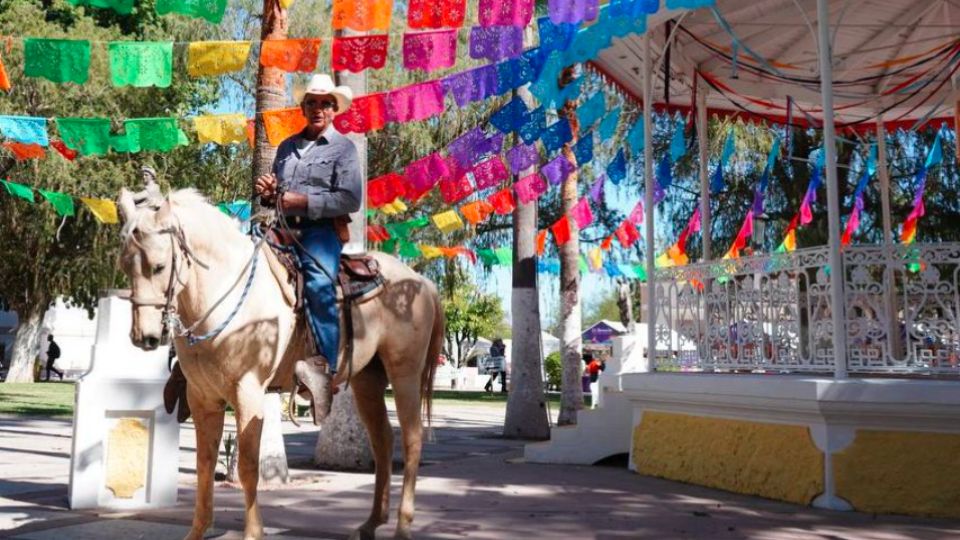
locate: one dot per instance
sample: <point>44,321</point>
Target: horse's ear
<point>126,205</point>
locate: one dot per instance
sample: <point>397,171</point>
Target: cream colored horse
<point>184,250</point>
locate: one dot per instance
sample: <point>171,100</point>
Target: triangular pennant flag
<point>678,145</point>
<point>103,209</point>
<point>541,242</point>
<point>61,202</point>
<point>18,190</point>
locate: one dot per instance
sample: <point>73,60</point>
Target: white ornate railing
<point>903,308</point>
<point>773,314</point>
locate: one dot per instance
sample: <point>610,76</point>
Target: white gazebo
<point>827,375</point>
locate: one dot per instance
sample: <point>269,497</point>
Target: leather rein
<point>170,319</point>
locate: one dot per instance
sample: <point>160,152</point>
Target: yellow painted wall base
<point>777,461</point>
<point>901,472</point>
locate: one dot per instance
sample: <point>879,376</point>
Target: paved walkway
<point>472,485</point>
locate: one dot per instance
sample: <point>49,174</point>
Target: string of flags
<point>908,232</point>
<point>150,63</point>
<point>805,214</point>
<point>410,103</point>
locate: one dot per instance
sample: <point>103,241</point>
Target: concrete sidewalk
<point>472,485</point>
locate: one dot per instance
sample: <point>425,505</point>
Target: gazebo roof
<point>894,56</point>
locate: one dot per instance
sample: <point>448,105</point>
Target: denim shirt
<point>328,173</point>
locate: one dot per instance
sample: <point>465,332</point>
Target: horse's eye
<point>158,268</point>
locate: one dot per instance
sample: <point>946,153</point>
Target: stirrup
<point>312,376</point>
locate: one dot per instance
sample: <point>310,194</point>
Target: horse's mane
<point>185,203</point>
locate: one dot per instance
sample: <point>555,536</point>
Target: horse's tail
<point>433,358</point>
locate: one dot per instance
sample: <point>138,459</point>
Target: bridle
<point>169,317</point>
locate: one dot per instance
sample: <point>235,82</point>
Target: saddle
<point>358,278</point>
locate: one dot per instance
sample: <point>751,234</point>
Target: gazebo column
<point>702,133</point>
<point>648,199</point>
<point>837,311</point>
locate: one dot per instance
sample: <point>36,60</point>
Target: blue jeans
<point>321,295</point>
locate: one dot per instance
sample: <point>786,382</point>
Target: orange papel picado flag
<point>362,15</point>
<point>282,123</point>
<point>290,54</point>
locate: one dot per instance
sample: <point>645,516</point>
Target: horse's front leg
<point>208,422</point>
<point>249,405</point>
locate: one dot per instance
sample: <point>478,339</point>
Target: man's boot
<point>316,384</point>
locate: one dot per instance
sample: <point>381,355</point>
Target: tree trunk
<point>571,324</point>
<point>343,443</point>
<point>526,416</point>
<point>271,94</point>
<point>25,348</point>
<point>271,89</point>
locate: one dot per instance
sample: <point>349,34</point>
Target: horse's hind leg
<point>406,392</point>
<point>249,405</point>
<point>208,421</point>
<point>368,387</point>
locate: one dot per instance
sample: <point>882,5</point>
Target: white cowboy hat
<point>322,85</point>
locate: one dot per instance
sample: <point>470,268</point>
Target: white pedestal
<point>125,445</point>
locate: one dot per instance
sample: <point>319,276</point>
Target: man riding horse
<point>317,177</point>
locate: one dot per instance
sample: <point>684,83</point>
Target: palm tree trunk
<point>271,88</point>
<point>526,416</point>
<point>571,324</point>
<point>25,347</point>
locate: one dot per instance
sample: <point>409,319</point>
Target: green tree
<point>554,370</point>
<point>470,314</point>
<point>45,256</point>
<point>607,308</point>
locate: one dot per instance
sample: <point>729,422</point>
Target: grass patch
<point>56,399</point>
<point>37,399</point>
<point>472,397</point>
